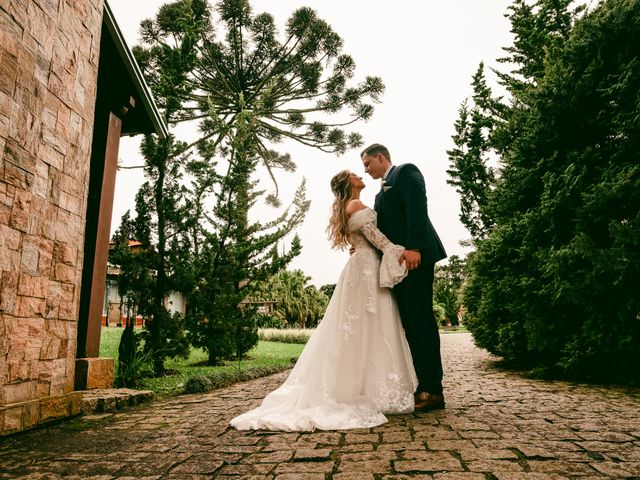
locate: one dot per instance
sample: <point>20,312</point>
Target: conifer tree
<point>552,286</point>
<point>166,57</point>
<point>292,88</point>
<point>470,171</point>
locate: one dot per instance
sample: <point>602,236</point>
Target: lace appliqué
<point>392,394</point>
<point>372,306</point>
<point>347,323</point>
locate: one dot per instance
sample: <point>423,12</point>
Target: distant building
<point>69,88</point>
<point>264,307</point>
<point>115,309</point>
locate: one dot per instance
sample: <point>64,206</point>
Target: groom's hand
<point>411,259</point>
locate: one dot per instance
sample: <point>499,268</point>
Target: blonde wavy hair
<point>337,229</point>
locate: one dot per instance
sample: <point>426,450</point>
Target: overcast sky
<point>425,52</point>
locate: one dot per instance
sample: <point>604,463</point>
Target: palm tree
<point>297,303</point>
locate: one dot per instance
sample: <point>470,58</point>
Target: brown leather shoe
<point>425,401</point>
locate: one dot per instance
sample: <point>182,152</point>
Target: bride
<point>357,365</point>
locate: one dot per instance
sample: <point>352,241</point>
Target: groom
<point>401,205</point>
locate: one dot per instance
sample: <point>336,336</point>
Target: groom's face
<point>375,165</point>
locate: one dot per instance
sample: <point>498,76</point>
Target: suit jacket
<point>401,206</point>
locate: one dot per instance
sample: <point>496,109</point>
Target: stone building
<point>69,88</point>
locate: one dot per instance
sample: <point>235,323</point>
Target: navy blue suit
<point>401,206</point>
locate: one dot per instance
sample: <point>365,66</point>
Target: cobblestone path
<point>497,425</point>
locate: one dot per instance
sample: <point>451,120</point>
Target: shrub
<point>198,384</point>
<point>287,335</point>
<point>264,320</point>
<point>216,380</point>
<point>246,333</point>
<point>440,313</point>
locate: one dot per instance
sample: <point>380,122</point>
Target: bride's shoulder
<point>360,214</point>
<point>353,206</point>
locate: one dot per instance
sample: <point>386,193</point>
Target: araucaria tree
<point>248,89</point>
<point>553,282</point>
<point>279,89</point>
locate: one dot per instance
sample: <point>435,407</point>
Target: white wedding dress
<point>357,365</point>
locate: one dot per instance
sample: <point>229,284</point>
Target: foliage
<point>288,335</point>
<point>132,373</point>
<point>328,289</point>
<point>264,320</point>
<point>148,276</point>
<point>440,313</point>
<point>201,384</point>
<point>233,257</point>
<point>144,283</point>
<point>553,284</point>
<point>447,285</point>
<point>131,364</point>
<point>289,88</point>
<point>470,171</point>
<point>296,303</point>
<point>248,90</point>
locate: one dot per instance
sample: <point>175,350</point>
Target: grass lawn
<point>265,354</point>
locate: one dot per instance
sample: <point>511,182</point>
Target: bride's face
<point>356,181</point>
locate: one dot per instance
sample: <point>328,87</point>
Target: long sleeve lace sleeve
<point>391,271</point>
<point>376,237</point>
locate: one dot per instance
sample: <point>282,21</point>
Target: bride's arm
<point>392,271</point>
<point>375,236</point>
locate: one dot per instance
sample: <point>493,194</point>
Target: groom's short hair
<point>375,149</point>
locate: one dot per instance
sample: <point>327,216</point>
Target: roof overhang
<point>124,72</point>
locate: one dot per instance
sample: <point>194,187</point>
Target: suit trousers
<point>414,296</point>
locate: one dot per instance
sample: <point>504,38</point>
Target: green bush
<point>440,313</point>
<point>287,335</point>
<point>554,286</point>
<point>216,380</point>
<point>198,384</point>
<point>131,374</point>
<point>246,333</point>
<point>133,363</point>
<point>224,336</point>
<point>164,336</point>
<point>264,320</point>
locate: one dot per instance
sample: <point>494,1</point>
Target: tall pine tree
<point>470,171</point>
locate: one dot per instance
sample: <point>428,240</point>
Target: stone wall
<point>48,71</point>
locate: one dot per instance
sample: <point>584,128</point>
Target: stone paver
<point>497,426</point>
